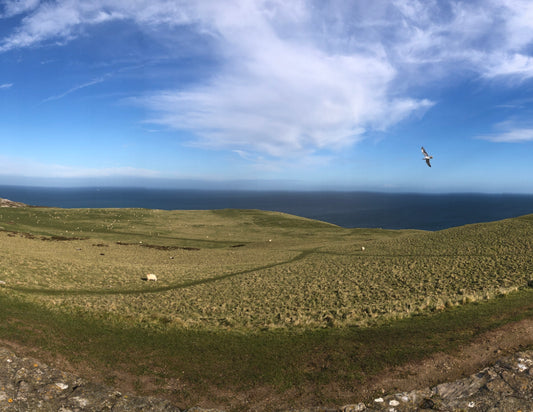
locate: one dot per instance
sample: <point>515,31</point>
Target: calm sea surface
<point>347,209</point>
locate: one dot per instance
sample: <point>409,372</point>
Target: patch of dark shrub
<point>158,247</point>
<point>60,238</point>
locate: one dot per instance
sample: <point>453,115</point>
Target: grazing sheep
<point>151,276</point>
<point>362,248</point>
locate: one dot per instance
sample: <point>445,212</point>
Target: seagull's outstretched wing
<point>426,156</point>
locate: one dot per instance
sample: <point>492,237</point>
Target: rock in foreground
<point>27,385</point>
<point>505,386</point>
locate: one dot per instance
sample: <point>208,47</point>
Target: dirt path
<point>485,350</point>
<point>439,368</point>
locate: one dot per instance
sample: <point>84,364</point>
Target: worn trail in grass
<point>80,292</point>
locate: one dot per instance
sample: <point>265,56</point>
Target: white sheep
<point>151,276</point>
<point>362,248</point>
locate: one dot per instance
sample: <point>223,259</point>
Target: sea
<point>347,209</point>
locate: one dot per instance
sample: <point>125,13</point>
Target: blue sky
<point>267,94</point>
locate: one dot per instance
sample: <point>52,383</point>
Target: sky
<point>268,94</point>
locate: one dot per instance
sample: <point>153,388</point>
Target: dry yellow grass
<point>249,269</point>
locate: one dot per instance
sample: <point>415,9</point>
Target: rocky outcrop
<point>505,386</point>
<point>10,203</point>
<point>28,385</point>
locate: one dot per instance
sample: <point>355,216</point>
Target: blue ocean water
<point>346,209</point>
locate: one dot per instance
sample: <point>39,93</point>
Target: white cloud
<point>280,94</point>
<point>6,85</point>
<point>65,20</point>
<point>304,101</point>
<point>76,88</point>
<point>244,155</point>
<point>13,7</point>
<point>298,77</point>
<point>492,38</point>
<point>517,16</point>
<point>517,135</point>
<point>31,168</point>
<point>517,65</point>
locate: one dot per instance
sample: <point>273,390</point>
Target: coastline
<point>346,209</point>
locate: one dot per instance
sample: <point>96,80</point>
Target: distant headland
<point>346,209</point>
<point>10,203</point>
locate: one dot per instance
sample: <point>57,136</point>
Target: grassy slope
<point>277,300</point>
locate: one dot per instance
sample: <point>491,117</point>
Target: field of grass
<point>250,269</point>
<point>260,294</point>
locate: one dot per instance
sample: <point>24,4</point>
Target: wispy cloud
<point>6,85</point>
<point>76,88</point>
<point>514,130</point>
<point>244,155</point>
<point>32,168</point>
<point>301,78</point>
<point>62,21</point>
<point>13,8</point>
<point>279,94</point>
<point>518,135</point>
<point>491,38</point>
<point>517,65</point>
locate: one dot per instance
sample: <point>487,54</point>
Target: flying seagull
<point>426,156</point>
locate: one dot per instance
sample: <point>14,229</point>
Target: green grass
<point>233,361</point>
<point>248,299</point>
<point>250,269</point>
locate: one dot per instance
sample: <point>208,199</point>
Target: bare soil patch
<point>442,367</point>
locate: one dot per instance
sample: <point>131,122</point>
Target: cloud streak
<point>31,168</point>
<point>63,21</point>
<point>513,135</point>
<point>76,88</point>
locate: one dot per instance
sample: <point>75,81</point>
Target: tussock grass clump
<point>253,270</point>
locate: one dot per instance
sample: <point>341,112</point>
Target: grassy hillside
<point>250,269</point>
<point>275,299</point>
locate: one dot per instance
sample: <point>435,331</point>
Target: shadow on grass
<point>182,285</point>
<point>238,361</point>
